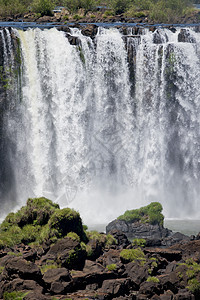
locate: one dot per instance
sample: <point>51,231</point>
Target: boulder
<point>90,30</point>
<point>24,269</point>
<point>56,275</point>
<point>116,287</point>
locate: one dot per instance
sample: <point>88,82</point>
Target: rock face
<point>139,230</point>
<point>155,235</point>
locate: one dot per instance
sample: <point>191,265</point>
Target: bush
<point>39,221</point>
<point>147,214</point>
<point>112,267</point>
<point>139,242</point>
<point>14,295</point>
<point>44,7</point>
<point>128,255</point>
<point>153,279</point>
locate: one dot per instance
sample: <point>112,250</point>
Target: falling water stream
<point>108,124</point>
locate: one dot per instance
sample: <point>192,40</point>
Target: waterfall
<point>108,124</point>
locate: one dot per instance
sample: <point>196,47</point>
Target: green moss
<point>73,236</point>
<point>147,214</point>
<point>112,267</point>
<point>194,285</point>
<point>14,295</point>
<point>110,240</point>
<point>128,255</point>
<point>139,242</point>
<point>39,221</point>
<point>1,269</point>
<point>15,253</point>
<point>153,279</point>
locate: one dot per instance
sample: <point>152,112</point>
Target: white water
<point>84,140</point>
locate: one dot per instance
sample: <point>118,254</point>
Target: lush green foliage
<point>14,295</point>
<point>153,279</point>
<point>128,255</point>
<point>156,10</point>
<point>44,7</point>
<point>111,267</point>
<point>147,214</point>
<point>40,220</point>
<point>139,242</point>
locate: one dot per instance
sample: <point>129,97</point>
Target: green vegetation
<point>191,273</point>
<point>139,242</point>
<point>39,221</point>
<point>47,267</point>
<point>156,10</point>
<point>147,214</point>
<point>153,279</point>
<point>112,267</point>
<point>128,255</point>
<point>14,295</point>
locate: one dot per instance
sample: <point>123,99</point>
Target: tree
<point>44,7</point>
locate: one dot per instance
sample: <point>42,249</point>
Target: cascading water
<point>105,125</point>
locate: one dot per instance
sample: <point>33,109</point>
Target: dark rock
<point>110,257</point>
<point>117,287</point>
<point>24,269</point>
<point>36,295</point>
<point>96,249</point>
<point>185,37</point>
<point>90,30</point>
<point>73,40</point>
<point>169,282</point>
<point>169,254</point>
<point>56,275</point>
<point>184,296</point>
<point>149,288</point>
<point>30,254</point>
<point>175,238</point>
<point>68,252</point>
<point>19,285</point>
<point>57,288</point>
<point>139,230</point>
<point>136,273</point>
<point>121,238</point>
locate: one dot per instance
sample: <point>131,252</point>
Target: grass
<point>153,279</point>
<point>111,267</point>
<point>128,255</point>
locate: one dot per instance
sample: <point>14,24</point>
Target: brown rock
<point>56,275</point>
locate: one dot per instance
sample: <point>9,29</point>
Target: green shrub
<point>76,17</point>
<point>44,7</point>
<point>153,279</point>
<point>47,267</point>
<point>147,214</point>
<point>14,295</point>
<point>73,236</point>
<point>39,221</point>
<point>128,255</point>
<point>139,242</point>
<point>15,253</point>
<point>194,286</point>
<point>112,267</point>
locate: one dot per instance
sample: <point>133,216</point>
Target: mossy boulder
<point>40,221</point>
<point>147,214</point>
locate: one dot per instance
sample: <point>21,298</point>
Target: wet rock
<point>185,37</point>
<point>73,40</point>
<point>90,30</point>
<point>136,273</point>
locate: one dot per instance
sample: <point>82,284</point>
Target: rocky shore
<point>46,253</point>
<point>100,17</point>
